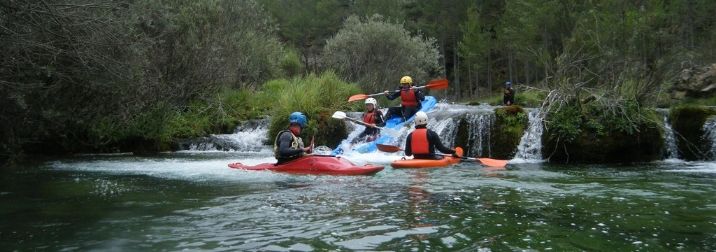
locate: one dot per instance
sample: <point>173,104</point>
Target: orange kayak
<point>427,163</point>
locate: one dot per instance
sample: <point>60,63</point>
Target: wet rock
<point>510,124</point>
<point>695,82</point>
<point>688,122</point>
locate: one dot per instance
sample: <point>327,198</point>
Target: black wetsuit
<point>509,97</point>
<point>433,142</point>
<point>403,111</point>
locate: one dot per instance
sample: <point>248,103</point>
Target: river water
<point>192,201</point>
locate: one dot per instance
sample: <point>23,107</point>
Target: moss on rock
<point>572,137</point>
<point>510,124</point>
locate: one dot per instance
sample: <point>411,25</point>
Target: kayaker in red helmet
<point>410,99</point>
<point>288,144</point>
<point>422,142</point>
<point>373,117</point>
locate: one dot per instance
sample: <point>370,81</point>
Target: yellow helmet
<point>406,80</point>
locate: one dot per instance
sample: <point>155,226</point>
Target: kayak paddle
<point>484,161</point>
<point>433,85</point>
<point>340,115</point>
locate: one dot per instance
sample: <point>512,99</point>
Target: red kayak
<point>328,165</point>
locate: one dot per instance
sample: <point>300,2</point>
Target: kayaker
<point>288,144</point>
<point>422,142</point>
<point>373,117</point>
<point>509,97</point>
<point>410,99</point>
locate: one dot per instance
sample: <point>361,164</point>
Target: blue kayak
<point>394,123</point>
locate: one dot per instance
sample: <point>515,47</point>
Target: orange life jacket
<point>408,98</point>
<point>369,117</point>
<point>419,142</point>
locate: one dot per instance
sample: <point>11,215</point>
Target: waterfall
<point>530,147</point>
<point>479,133</point>
<point>249,136</point>
<point>671,149</point>
<point>710,136</point>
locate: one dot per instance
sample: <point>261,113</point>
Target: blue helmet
<point>508,84</point>
<point>299,118</point>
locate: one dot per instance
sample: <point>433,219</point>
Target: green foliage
<point>317,97</point>
<point>376,53</point>
<point>528,98</point>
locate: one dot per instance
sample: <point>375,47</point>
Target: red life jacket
<point>419,142</point>
<point>408,98</point>
<point>369,117</point>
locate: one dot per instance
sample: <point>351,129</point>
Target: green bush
<point>375,53</point>
<point>317,97</point>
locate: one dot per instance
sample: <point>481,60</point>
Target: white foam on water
<point>710,136</point>
<point>695,167</point>
<point>174,168</point>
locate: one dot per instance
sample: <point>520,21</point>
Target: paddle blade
<point>339,115</point>
<point>388,148</point>
<point>357,97</point>
<point>437,84</point>
<point>493,162</point>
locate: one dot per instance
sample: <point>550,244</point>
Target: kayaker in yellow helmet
<point>288,144</point>
<point>410,99</point>
<point>422,142</point>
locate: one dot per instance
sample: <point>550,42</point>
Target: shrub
<point>376,53</point>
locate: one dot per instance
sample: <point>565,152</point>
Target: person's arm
<point>435,139</point>
<point>408,151</point>
<point>392,96</point>
<point>379,121</point>
<point>419,95</point>
<point>284,146</point>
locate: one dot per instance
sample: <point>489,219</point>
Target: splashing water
<point>710,135</point>
<point>530,148</point>
<point>671,151</point>
<point>247,137</point>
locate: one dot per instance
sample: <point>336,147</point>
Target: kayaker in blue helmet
<point>410,99</point>
<point>288,144</point>
<point>509,97</point>
<point>373,117</point>
<point>422,142</point>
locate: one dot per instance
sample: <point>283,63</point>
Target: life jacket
<point>296,143</point>
<point>369,117</point>
<point>419,142</point>
<point>408,98</point>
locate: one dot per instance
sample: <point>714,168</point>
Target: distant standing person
<point>410,99</point>
<point>509,97</point>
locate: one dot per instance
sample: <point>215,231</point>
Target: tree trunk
<point>456,70</point>
<point>509,65</point>
<point>489,72</point>
<point>527,72</point>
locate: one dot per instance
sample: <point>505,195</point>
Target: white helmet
<point>371,101</point>
<point>421,118</point>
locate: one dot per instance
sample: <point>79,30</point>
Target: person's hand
<point>307,150</point>
<point>386,92</point>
